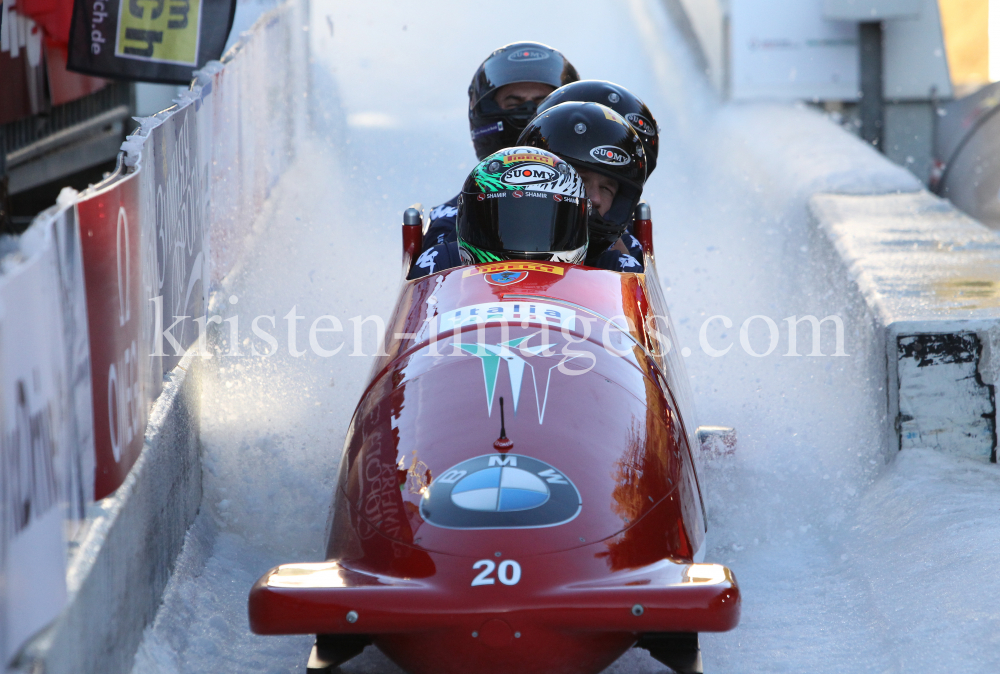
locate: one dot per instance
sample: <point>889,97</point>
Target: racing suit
<point>442,228</point>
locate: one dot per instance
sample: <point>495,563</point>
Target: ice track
<point>851,558</point>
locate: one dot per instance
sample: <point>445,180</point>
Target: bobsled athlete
<point>608,154</point>
<point>629,106</point>
<point>619,99</point>
<point>503,98</point>
<point>517,204</point>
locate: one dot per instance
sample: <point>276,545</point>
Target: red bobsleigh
<point>517,493</point>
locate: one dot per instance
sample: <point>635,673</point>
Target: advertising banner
<point>148,40</point>
<point>34,444</point>
<point>79,418</point>
<point>123,380</point>
<point>106,287</point>
<point>174,180</point>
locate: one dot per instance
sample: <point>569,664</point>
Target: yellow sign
<point>610,114</point>
<point>165,31</point>
<point>513,265</point>
<point>542,159</point>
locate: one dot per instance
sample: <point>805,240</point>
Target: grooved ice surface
<point>852,558</point>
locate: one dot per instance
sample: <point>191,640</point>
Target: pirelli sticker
<point>513,265</point>
<point>165,31</point>
<point>528,156</point>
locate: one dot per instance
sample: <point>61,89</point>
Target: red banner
<point>111,233</point>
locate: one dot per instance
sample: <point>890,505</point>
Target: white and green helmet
<point>523,203</point>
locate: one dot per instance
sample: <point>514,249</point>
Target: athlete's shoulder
<point>436,258</point>
<point>448,209</point>
<point>442,224</point>
<point>614,260</point>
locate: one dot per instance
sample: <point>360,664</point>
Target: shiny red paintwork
<point>644,232</point>
<point>412,241</point>
<point>613,420</point>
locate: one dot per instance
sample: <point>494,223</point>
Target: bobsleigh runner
<point>517,491</point>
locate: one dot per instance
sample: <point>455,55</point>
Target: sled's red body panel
<point>455,554</point>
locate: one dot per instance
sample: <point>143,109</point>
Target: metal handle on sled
<point>644,227</point>
<point>412,236</point>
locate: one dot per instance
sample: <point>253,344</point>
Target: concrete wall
<point>931,276</point>
<point>126,555</point>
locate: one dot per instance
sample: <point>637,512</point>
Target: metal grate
<point>24,132</point>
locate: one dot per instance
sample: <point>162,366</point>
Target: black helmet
<point>619,99</point>
<point>595,137</point>
<point>493,128</point>
<point>522,203</point>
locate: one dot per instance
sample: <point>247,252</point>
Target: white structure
<point>808,50</point>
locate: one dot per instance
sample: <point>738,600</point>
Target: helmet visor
<point>525,64</point>
<point>518,222</point>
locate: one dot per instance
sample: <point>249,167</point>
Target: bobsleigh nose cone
<point>496,633</point>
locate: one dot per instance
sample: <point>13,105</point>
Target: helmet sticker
<point>609,154</point>
<point>475,255</point>
<point>613,116</point>
<point>529,173</point>
<point>641,124</point>
<point>488,182</point>
<point>528,55</point>
<point>536,195</point>
<point>487,130</point>
<point>519,167</point>
<point>526,156</point>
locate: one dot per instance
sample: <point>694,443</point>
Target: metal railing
<point>17,135</point>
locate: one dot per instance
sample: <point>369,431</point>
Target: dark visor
<point>530,222</point>
<point>501,70</point>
